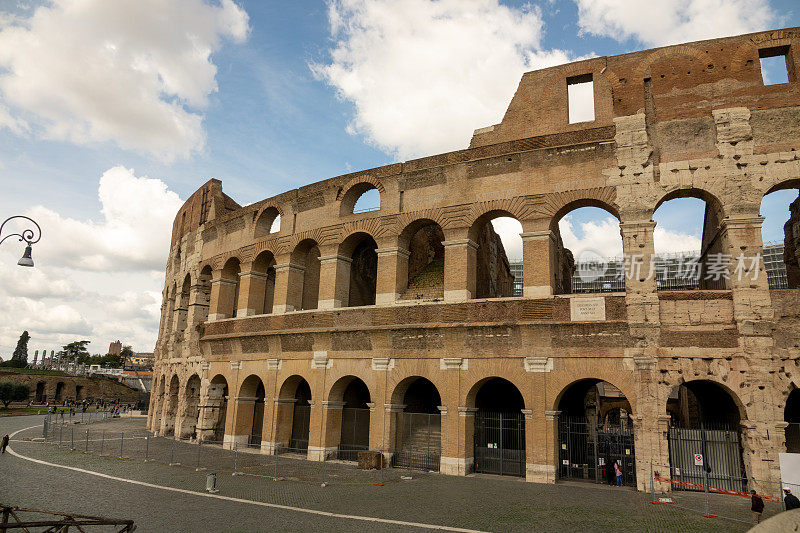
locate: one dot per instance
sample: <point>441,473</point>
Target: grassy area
<point>13,411</point>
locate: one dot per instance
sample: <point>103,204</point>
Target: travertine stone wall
<point>690,120</point>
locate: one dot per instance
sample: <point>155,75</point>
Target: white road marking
<point>238,500</point>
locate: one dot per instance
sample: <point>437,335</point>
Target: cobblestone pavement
<point>475,502</point>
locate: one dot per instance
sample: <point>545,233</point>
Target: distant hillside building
<point>115,348</point>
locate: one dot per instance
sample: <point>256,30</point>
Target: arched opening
<point>688,242</point>
<point>264,270</point>
<point>40,396</point>
<point>354,396</point>
<point>595,433</point>
<point>586,252</point>
<point>360,248</point>
<point>361,198</point>
<point>417,425</point>
<point>251,410</point>
<point>183,304</point>
<point>168,424</point>
<point>304,286</point>
<point>229,290</point>
<point>294,416</point>
<point>59,391</point>
<point>791,415</point>
<point>216,409</point>
<point>204,298</point>
<point>191,412</point>
<point>170,310</point>
<point>268,222</point>
<point>705,419</point>
<point>79,393</point>
<point>780,235</point>
<point>492,271</point>
<point>423,239</point>
<point>499,438</point>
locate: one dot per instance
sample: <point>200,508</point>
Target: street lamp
<point>26,236</point>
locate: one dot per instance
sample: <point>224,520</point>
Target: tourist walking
<point>790,500</point>
<point>618,473</point>
<point>756,507</point>
<point>4,444</point>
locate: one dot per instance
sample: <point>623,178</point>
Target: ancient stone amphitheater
<point>296,325</point>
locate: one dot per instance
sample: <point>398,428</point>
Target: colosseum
<point>300,324</point>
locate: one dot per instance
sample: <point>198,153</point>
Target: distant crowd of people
<point>71,408</point>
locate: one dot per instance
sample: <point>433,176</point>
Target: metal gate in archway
<point>500,442</point>
<point>721,447</point>
<point>587,451</point>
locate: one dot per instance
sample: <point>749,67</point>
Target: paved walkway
<point>475,503</point>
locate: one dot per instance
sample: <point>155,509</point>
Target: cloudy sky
<point>112,112</point>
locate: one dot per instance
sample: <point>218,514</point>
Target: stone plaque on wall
<point>587,309</point>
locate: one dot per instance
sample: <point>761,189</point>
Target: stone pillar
<point>458,446</point>
<point>392,411</point>
<point>230,421</point>
<point>316,446</point>
<point>179,316</point>
<point>198,307</point>
<point>288,287</point>
<point>539,430</point>
<point>539,263</point>
<point>332,427</point>
<point>252,289</point>
<point>212,400</point>
<point>283,415</point>
<point>460,257</point>
<point>641,296</point>
<point>243,424</point>
<point>392,274</point>
<point>334,281</point>
<point>222,295</point>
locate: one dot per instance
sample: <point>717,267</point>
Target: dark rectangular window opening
<point>774,65</point>
<point>580,98</point>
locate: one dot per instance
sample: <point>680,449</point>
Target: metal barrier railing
<point>699,492</point>
<point>324,466</point>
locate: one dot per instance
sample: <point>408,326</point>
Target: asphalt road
<point>476,502</point>
<point>23,483</point>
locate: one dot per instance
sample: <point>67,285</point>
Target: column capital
<point>552,415</point>
<point>285,267</point>
<point>538,235</point>
<point>394,407</point>
<point>402,252</point>
<point>636,224</point>
<point>467,411</point>
<point>330,404</point>
<point>461,242</point>
<point>334,258</point>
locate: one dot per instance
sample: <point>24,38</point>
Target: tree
<point>75,351</point>
<point>126,352</point>
<point>12,392</point>
<point>20,356</point>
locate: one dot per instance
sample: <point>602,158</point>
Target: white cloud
<point>131,71</point>
<point>673,21</point>
<point>601,237</point>
<point>424,74</point>
<point>99,280</point>
<point>509,230</point>
<point>594,237</point>
<point>134,234</point>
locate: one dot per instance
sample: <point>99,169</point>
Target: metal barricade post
<point>102,442</point>
<point>72,438</point>
<point>86,450</point>
<point>121,441</point>
<point>146,447</point>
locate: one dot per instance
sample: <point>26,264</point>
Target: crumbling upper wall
<point>682,81</point>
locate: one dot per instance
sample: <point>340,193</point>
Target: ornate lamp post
<point>27,236</point>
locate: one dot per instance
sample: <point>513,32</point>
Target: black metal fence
<point>720,456</point>
<point>418,441</point>
<point>355,433</point>
<point>500,442</point>
<point>588,451</point>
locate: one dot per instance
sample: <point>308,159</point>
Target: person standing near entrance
<point>618,473</point>
<point>790,500</point>
<point>756,507</point>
